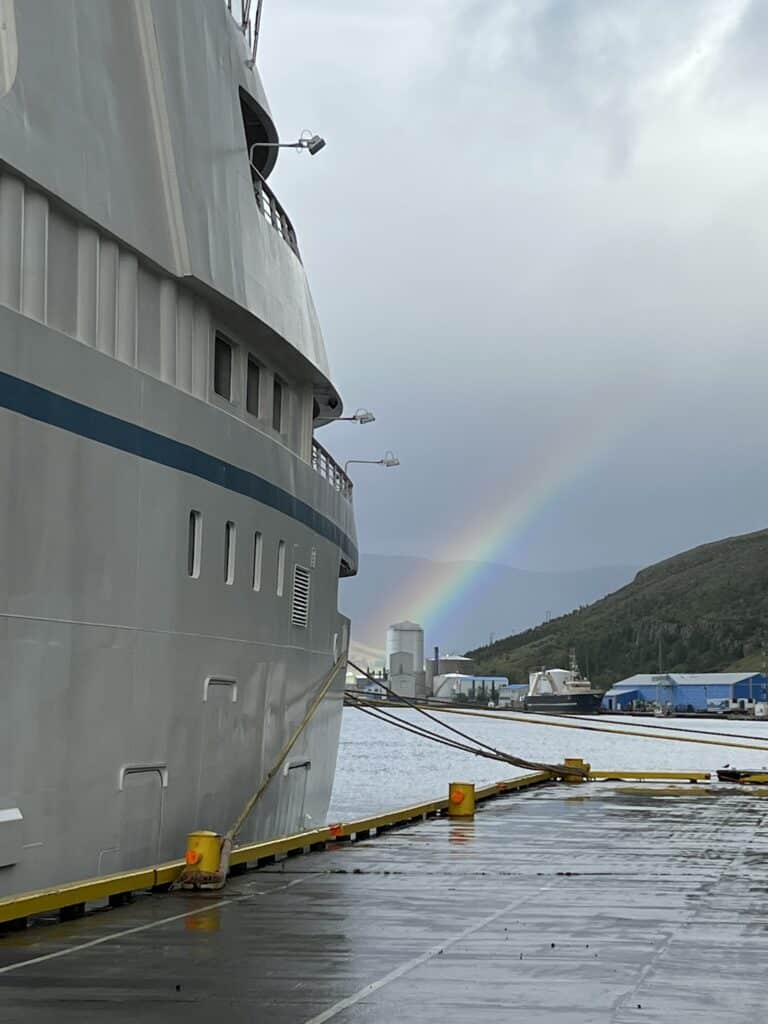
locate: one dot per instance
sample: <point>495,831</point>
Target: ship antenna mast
<point>250,27</point>
<point>256,30</point>
<point>574,666</point>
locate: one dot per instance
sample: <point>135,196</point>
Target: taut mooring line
<point>493,752</point>
<point>543,720</point>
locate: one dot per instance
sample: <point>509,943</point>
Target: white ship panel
<point>152,147</point>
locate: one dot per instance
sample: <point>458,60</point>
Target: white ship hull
<point>138,702</point>
<point>149,676</point>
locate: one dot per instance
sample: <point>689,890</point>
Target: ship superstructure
<point>171,533</point>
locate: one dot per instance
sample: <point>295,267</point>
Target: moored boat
<point>559,691</point>
<point>744,776</point>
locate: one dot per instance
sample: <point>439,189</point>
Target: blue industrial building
<point>683,691</point>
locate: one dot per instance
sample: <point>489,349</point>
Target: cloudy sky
<point>537,241</point>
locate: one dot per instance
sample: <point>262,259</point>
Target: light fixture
<point>389,460</point>
<point>312,143</point>
<point>361,416</point>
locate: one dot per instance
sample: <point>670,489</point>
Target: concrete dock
<point>597,903</point>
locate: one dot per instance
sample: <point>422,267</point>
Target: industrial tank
<point>406,638</point>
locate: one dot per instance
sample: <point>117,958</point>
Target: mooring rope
<point>446,705</point>
<point>191,875</point>
<point>489,751</point>
<point>390,719</point>
<point>325,686</point>
<point>677,728</point>
<point>544,721</point>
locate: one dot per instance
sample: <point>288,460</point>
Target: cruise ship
<point>171,532</point>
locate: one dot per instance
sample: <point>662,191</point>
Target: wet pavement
<point>580,905</point>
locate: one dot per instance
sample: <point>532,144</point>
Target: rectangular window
<point>230,538</point>
<point>300,603</point>
<point>252,388</point>
<point>280,568</point>
<point>257,547</point>
<point>222,368</point>
<point>194,544</point>
<point>277,405</point>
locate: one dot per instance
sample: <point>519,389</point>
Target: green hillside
<point>707,606</point>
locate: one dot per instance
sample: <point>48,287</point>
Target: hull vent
<point>300,605</point>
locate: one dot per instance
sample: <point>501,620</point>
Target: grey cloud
<point>594,62</point>
<point>533,221</point>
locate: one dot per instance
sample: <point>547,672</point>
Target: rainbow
<point>501,523</point>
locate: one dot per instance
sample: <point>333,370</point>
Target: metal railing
<point>248,20</point>
<point>272,211</point>
<point>330,470</point>
<point>248,25</point>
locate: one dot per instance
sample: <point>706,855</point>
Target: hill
<point>502,600</point>
<point>707,608</point>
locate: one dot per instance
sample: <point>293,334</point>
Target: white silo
<point>406,638</point>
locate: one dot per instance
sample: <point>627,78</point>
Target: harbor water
<point>381,767</point>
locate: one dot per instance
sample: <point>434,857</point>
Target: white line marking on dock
<point>406,968</point>
<point>202,909</point>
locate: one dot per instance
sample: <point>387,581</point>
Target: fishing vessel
<point>559,691</point>
<point>172,533</point>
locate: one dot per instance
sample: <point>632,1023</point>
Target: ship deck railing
<point>272,211</point>
<point>247,15</point>
<point>248,18</point>
<point>324,464</point>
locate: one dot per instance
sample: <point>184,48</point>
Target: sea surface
<point>381,767</point>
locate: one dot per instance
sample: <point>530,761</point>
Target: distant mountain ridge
<point>703,610</point>
<point>501,599</point>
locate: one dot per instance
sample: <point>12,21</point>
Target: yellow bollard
<point>461,799</point>
<point>576,762</point>
<point>204,852</point>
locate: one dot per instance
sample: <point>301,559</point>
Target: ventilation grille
<point>300,606</point>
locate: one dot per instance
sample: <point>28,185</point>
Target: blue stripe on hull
<point>38,403</point>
